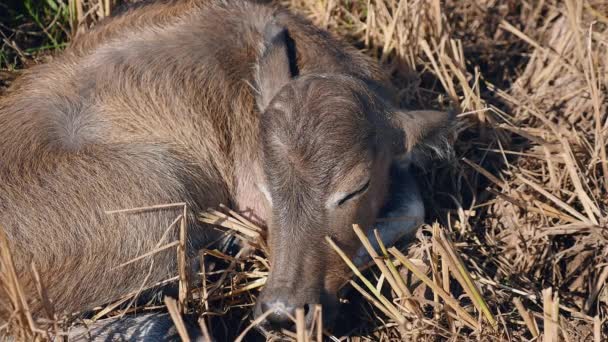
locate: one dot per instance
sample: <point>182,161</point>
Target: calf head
<point>328,141</point>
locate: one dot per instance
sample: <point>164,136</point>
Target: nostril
<point>311,313</point>
<point>265,306</point>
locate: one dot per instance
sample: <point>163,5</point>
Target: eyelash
<point>353,194</point>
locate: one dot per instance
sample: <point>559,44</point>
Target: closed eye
<point>354,194</point>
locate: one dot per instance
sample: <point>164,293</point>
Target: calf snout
<point>281,313</point>
<point>280,304</point>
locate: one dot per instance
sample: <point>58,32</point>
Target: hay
<point>519,245</point>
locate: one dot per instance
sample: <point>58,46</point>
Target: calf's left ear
<point>272,68</point>
<point>422,131</point>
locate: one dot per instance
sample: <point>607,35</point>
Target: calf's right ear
<point>422,131</point>
<point>273,66</point>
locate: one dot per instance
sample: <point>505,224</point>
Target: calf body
<point>202,102</point>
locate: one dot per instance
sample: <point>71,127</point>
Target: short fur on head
<point>328,140</point>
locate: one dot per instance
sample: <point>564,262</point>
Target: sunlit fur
<point>163,104</point>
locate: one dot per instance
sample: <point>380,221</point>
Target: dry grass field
<point>516,246</point>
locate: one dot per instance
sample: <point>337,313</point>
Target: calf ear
<point>423,131</point>
<point>272,69</point>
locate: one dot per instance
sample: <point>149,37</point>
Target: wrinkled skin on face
<point>328,141</point>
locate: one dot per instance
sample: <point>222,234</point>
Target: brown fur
<point>195,101</point>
